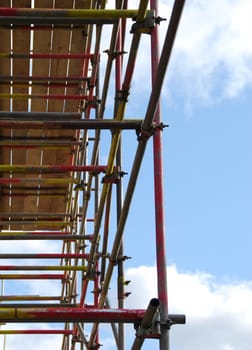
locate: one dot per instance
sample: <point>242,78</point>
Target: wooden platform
<point>30,81</point>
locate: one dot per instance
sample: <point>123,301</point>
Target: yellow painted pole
<point>61,13</point>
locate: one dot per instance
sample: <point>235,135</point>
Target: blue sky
<point>206,101</point>
<point>209,188</point>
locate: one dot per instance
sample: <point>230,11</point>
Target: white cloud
<point>212,55</point>
<point>41,342</point>
<point>218,314</point>
<point>35,246</point>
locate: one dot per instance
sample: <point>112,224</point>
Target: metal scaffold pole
<point>158,69</point>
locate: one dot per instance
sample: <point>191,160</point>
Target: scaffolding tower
<point>63,119</point>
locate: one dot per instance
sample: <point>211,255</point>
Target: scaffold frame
<point>57,187</point>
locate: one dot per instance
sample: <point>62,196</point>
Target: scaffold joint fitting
<point>92,104</point>
<point>172,320</point>
<point>96,291</point>
<point>144,134</point>
<point>90,275</point>
<point>123,257</point>
<point>159,126</point>
<point>144,26</point>
<point>159,19</point>
<point>114,177</point>
<point>122,95</point>
<point>114,54</point>
<point>95,346</point>
<point>80,186</point>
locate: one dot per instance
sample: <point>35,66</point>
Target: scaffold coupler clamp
<point>94,103</point>
<point>172,320</point>
<point>159,19</point>
<point>159,126</point>
<point>114,54</point>
<point>144,26</point>
<point>122,95</point>
<point>80,186</point>
<point>144,134</point>
<point>114,177</point>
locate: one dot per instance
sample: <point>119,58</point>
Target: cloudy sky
<point>207,102</point>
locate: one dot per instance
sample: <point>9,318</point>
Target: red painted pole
<point>40,233</point>
<point>6,181</point>
<point>28,298</point>
<point>48,55</point>
<point>119,194</point>
<point>44,256</point>
<point>159,199</point>
<point>42,268</point>
<point>36,331</point>
<point>67,237</point>
<point>43,97</point>
<point>158,177</point>
<point>66,314</point>
<point>13,78</point>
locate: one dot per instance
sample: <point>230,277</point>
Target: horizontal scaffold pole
<point>77,314</point>
<point>35,12</point>
<point>32,305</point>
<point>12,21</point>
<point>36,331</point>
<point>51,168</point>
<point>42,268</point>
<point>6,180</point>
<point>23,232</point>
<point>21,276</point>
<point>63,314</point>
<point>49,79</point>
<point>36,222</point>
<point>28,194</point>
<point>28,16</point>
<point>25,144</point>
<point>28,297</point>
<point>47,55</point>
<point>17,123</point>
<point>27,84</point>
<point>36,189</point>
<point>40,115</point>
<point>6,236</point>
<point>43,97</point>
<point>43,256</point>
<point>6,145</point>
<point>16,214</point>
<point>41,27</point>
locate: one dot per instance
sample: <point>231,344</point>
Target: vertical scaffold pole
<point>119,194</point>
<point>158,177</point>
<point>159,200</point>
